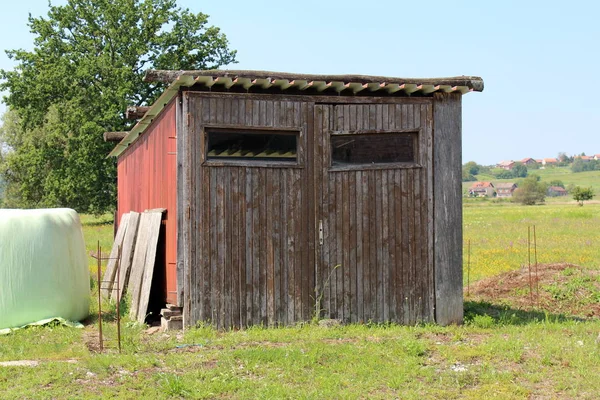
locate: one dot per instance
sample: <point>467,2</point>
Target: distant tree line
<point>580,165</point>
<point>471,169</point>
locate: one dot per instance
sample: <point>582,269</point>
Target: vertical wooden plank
<point>413,296</point>
<point>323,155</point>
<point>352,243</point>
<point>339,232</point>
<point>212,256</point>
<point>262,256</point>
<point>213,112</point>
<point>127,253</point>
<point>235,111</point>
<point>278,243</point>
<point>270,238</point>
<point>300,247</point>
<point>359,259</point>
<point>385,245</point>
<point>373,245</point>
<point>378,243</point>
<point>233,249</point>
<point>194,152</point>
<point>110,272</point>
<point>406,271</point>
<point>184,225</point>
<point>428,131</point>
<point>256,111</point>
<point>447,230</point>
<point>306,113</point>
<point>148,268</point>
<point>420,268</point>
<point>285,244</point>
<point>242,248</point>
<point>295,252</point>
<point>345,234</point>
<point>257,189</point>
<point>249,250</point>
<point>180,204</point>
<point>393,267</point>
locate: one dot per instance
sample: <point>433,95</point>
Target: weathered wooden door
<point>374,211</point>
<point>248,218</point>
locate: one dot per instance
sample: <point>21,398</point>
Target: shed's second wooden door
<point>374,211</point>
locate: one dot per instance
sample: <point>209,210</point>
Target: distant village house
<point>549,161</point>
<point>482,189</point>
<point>528,161</point>
<point>555,191</point>
<point>505,189</point>
<point>507,165</point>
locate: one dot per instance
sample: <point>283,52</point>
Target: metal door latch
<point>321,232</point>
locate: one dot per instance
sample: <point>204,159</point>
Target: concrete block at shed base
<point>172,323</point>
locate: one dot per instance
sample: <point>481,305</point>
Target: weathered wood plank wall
<point>250,250</point>
<point>376,221</point>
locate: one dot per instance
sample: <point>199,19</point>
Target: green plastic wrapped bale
<point>43,267</point>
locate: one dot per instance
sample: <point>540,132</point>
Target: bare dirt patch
<point>556,288</point>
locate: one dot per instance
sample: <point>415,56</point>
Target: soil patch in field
<point>562,288</point>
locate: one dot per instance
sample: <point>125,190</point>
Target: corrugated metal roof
<point>257,81</point>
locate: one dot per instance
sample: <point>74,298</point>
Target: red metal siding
<point>147,178</point>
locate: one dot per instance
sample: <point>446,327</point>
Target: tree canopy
<point>86,67</point>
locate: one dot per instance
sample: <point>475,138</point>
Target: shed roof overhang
<point>282,82</point>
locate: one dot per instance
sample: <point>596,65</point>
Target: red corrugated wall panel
<point>147,178</point>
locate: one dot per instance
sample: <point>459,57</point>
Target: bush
<point>531,191</point>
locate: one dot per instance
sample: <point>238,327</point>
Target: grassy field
<point>501,351</point>
<point>499,235</point>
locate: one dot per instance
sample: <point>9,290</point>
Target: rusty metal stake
<point>469,268</point>
<point>99,260</point>
<point>537,279</point>
<point>529,263</point>
<point>118,298</point>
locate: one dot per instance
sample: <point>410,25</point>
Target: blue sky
<point>539,60</point>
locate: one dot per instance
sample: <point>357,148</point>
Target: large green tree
<point>85,68</point>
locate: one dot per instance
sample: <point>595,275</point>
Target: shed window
<point>252,146</point>
<point>373,148</point>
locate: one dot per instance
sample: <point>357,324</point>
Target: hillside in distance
<point>564,174</point>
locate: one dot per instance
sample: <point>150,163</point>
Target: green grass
<point>499,352</point>
<point>486,357</point>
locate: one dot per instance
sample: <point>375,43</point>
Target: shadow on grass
<point>506,315</point>
<point>102,222</point>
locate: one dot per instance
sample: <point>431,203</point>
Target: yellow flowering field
<point>498,235</point>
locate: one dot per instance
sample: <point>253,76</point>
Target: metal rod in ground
<point>99,260</point>
<point>469,267</point>
<point>535,260</point>
<point>529,263</point>
<point>118,298</point>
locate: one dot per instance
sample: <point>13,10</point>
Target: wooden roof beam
<point>136,112</point>
<point>114,136</point>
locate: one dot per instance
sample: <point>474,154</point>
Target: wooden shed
<point>291,195</point>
